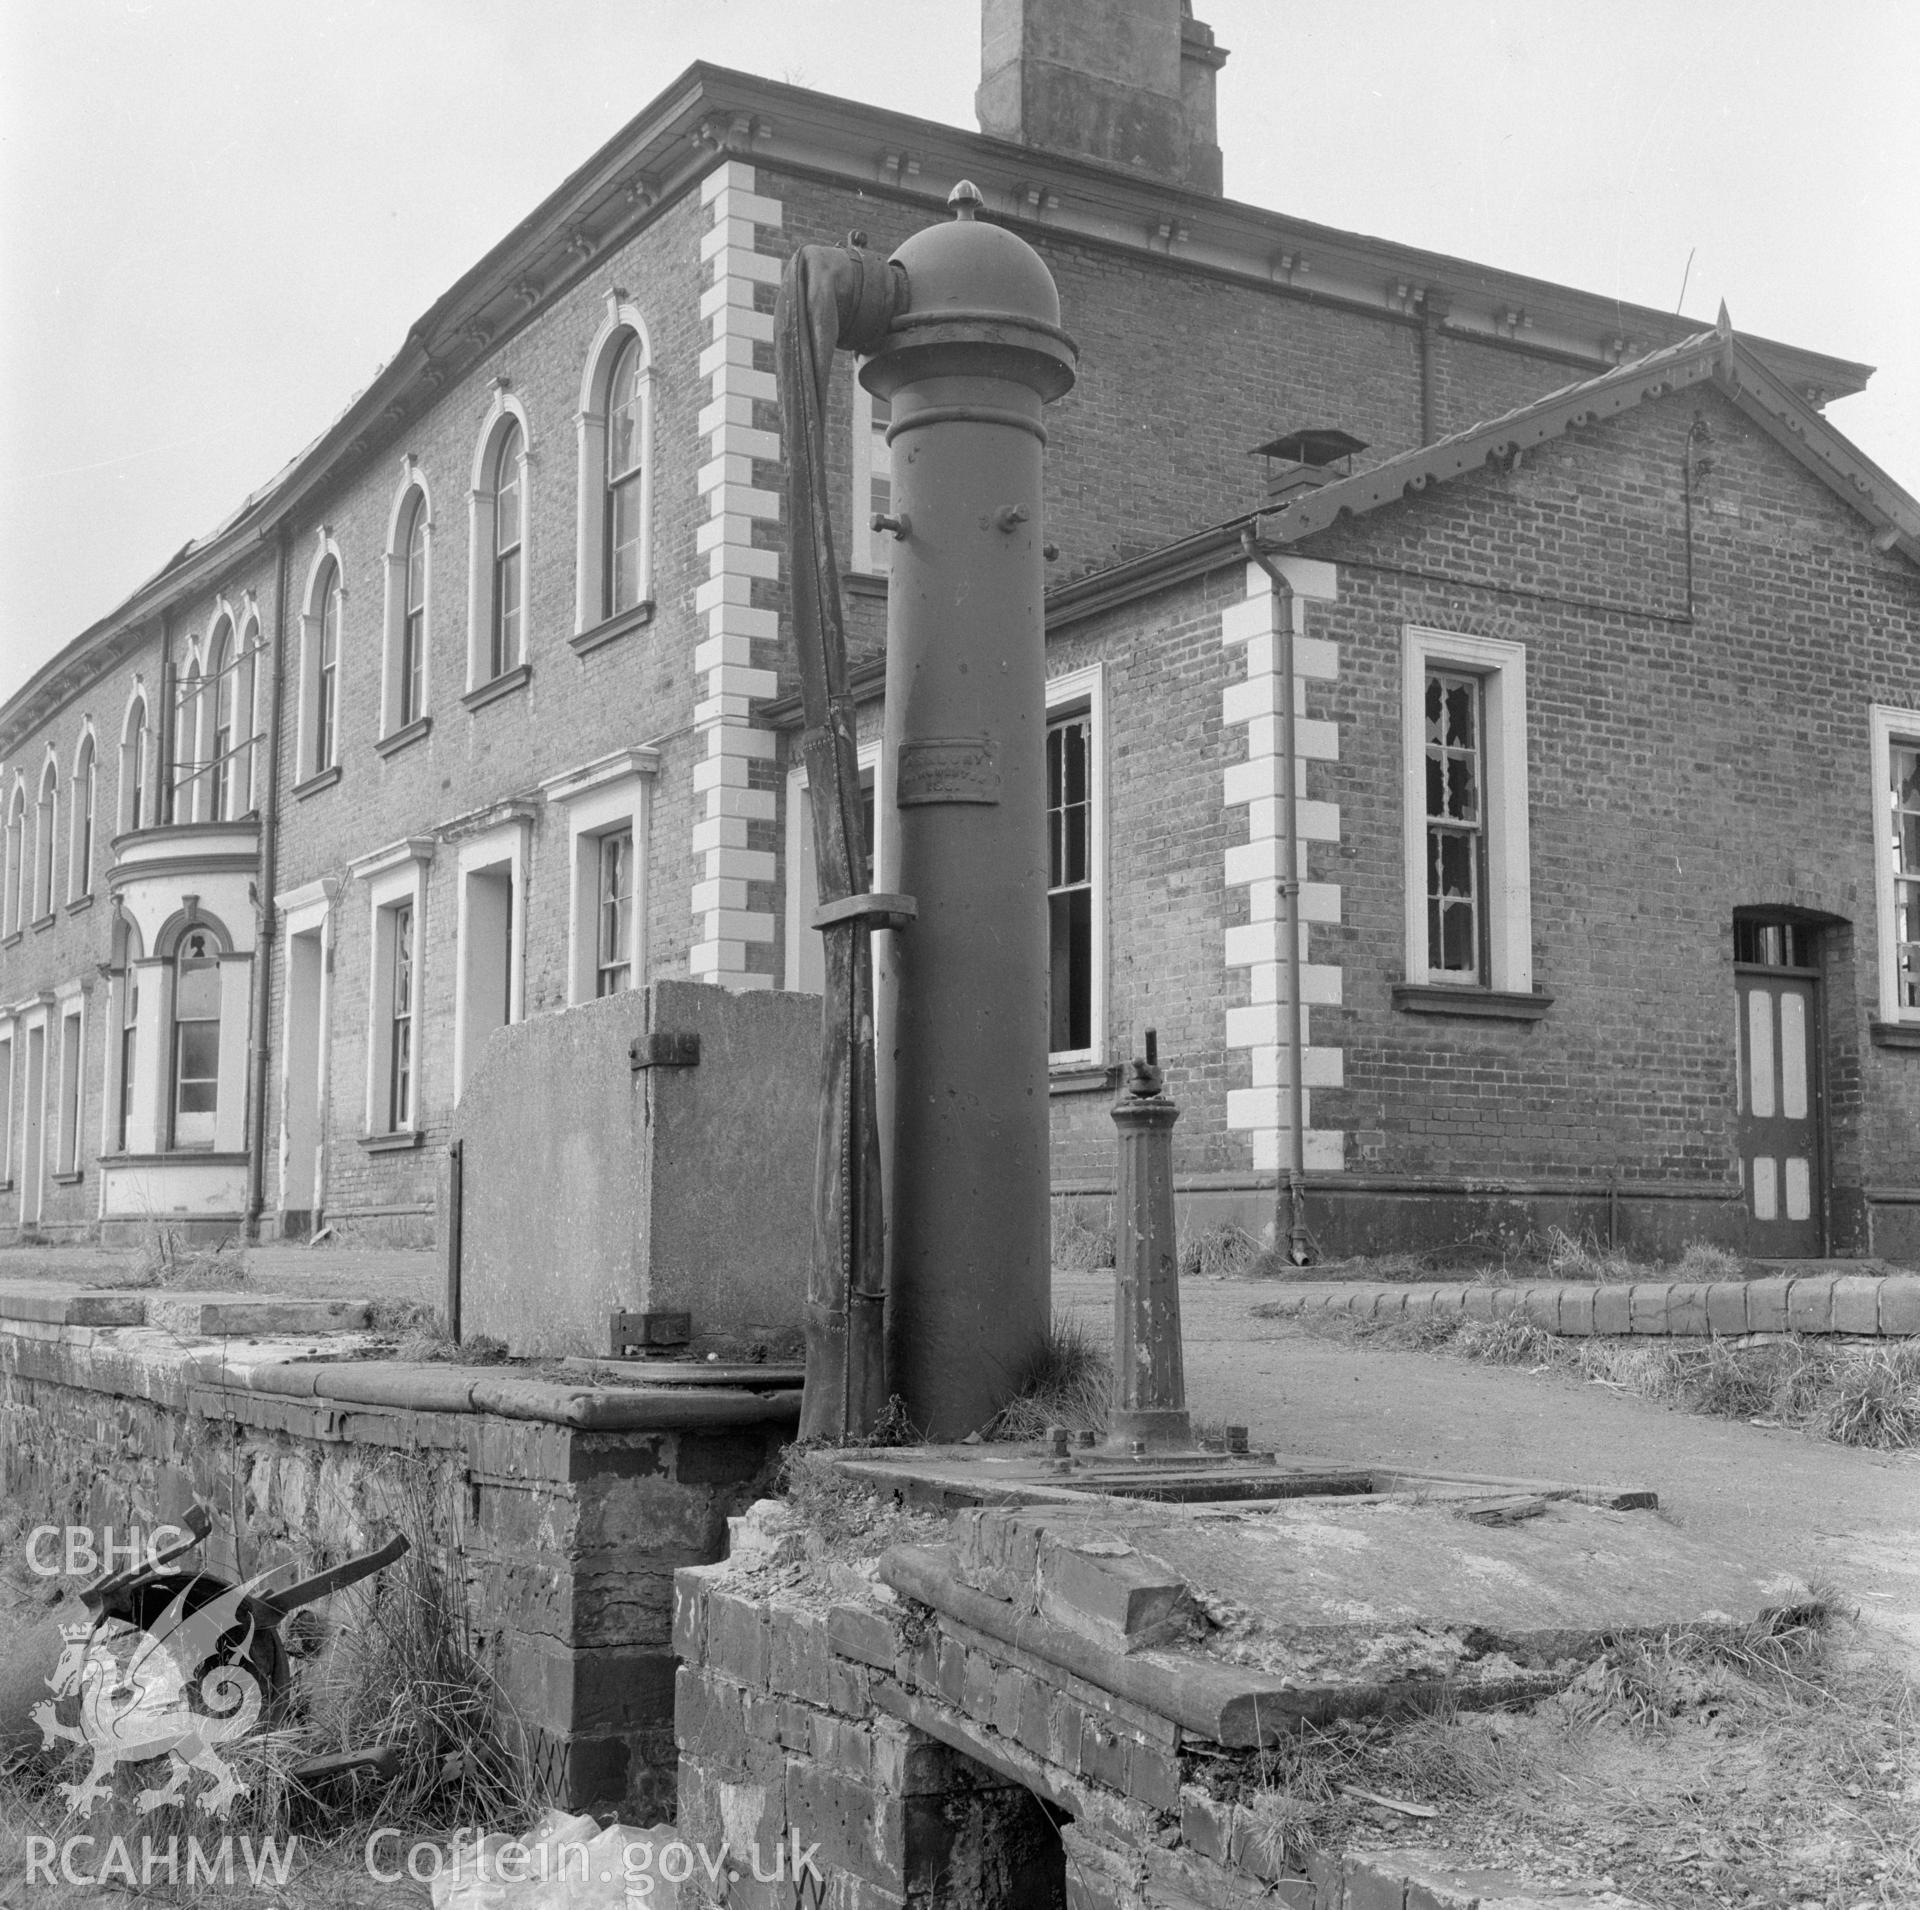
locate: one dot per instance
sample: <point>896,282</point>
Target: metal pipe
<point>963,995</point>
<point>264,920</point>
<point>1299,1241</point>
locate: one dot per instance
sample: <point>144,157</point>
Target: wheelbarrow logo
<point>137,1690</point>
<point>178,1666</point>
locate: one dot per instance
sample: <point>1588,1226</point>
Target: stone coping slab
<point>1860,1305</point>
<point>56,1303</point>
<point>151,1363</point>
<point>1323,1608</point>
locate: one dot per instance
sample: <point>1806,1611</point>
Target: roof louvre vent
<point>1305,460</point>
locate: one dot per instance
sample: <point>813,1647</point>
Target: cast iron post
<point>963,993</point>
<point>1149,1382</point>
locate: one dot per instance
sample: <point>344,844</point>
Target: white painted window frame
<point>69,1101</point>
<point>308,910</point>
<point>869,549</point>
<point>1501,667</point>
<point>591,556</point>
<point>83,846</point>
<point>394,615</point>
<point>805,953</point>
<point>1887,724</point>
<point>9,1082</point>
<point>506,847</point>
<point>1088,686</point>
<point>600,797</point>
<point>134,772</point>
<point>307,755</point>
<point>394,876</point>
<point>505,409</point>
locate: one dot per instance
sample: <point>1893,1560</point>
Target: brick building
<point>1608,700</point>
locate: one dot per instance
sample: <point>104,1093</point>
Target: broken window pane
<point>1456,843</point>
<point>1070,882</point>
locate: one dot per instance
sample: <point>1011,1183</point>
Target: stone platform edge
<point>1862,1305</point>
<point>224,1380</point>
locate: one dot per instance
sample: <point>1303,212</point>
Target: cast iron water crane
<point>942,1082</point>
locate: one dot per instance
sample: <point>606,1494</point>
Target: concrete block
<point>858,1828</point>
<point>631,1181</point>
<point>1111,1594</point>
<point>849,1688</point>
<point>709,1722</point>
<point>860,1632</point>
<point>1541,1307</point>
<point>738,1643</point>
<point>1687,1308</point>
<point>842,1745</point>
<point>1372,1883</point>
<point>1767,1305</point>
<point>981,1688</point>
<point>1900,1304</point>
<point>1153,1776</point>
<point>797,1656</point>
<point>1103,1753</point>
<point>1727,1307</point>
<point>1576,1311</point>
<point>1508,1301</point>
<point>1611,1310</point>
<point>1478,1304</point>
<point>1810,1304</point>
<point>1647,1306</point>
<point>1205,1826</point>
<point>1856,1303</point>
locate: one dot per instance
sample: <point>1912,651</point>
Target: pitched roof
<point>1716,357</point>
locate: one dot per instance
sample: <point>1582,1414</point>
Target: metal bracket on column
<point>884,911</point>
<point>664,1051</point>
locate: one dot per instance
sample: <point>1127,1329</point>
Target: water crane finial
<point>966,199</point>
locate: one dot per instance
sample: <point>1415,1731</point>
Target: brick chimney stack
<point>1128,82</point>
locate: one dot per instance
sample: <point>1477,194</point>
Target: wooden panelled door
<point>1777,1093</point>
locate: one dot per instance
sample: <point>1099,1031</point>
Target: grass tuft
<point>163,1261</point>
<point>1069,1383</point>
<point>1854,1392</point>
<point>1082,1236</point>
<point>1218,1252</point>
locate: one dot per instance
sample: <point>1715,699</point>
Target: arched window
<point>246,762</point>
<point>186,746</point>
<point>326,704</point>
<point>196,1038</point>
<point>46,827</point>
<point>613,578</point>
<point>220,714</point>
<point>133,767</point>
<point>412,661</point>
<point>13,898</point>
<point>625,480</point>
<point>80,855</point>
<point>503,650</point>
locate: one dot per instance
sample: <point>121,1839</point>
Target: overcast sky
<point>220,216</point>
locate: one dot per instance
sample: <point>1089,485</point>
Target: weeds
<point>1763,1763</point>
<point>1854,1392</point>
<point>164,1262</point>
<point>1218,1252</point>
<point>406,1671</point>
<point>1069,1383</point>
<point>1082,1237</point>
<point>419,1333</point>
